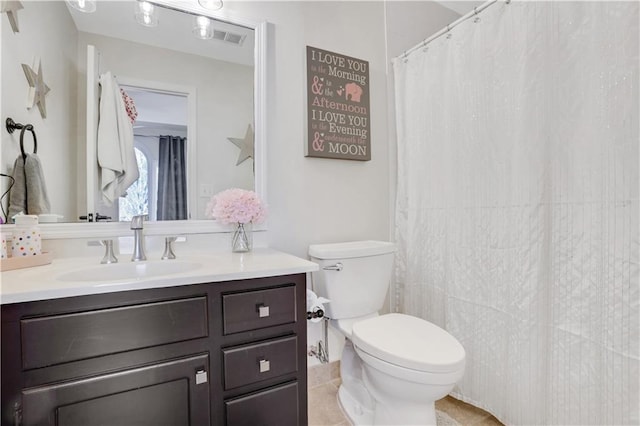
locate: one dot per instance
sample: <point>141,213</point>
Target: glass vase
<point>242,238</point>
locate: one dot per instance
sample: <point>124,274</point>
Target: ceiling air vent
<point>228,37</point>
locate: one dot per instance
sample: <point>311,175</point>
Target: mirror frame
<point>193,226</point>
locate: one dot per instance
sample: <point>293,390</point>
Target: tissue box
<point>20,262</point>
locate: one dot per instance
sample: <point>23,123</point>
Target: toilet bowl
<point>408,364</point>
<point>398,366</point>
<point>393,366</point>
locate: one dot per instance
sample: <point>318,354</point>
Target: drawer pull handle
<point>265,365</point>
<point>201,376</point>
<point>263,311</point>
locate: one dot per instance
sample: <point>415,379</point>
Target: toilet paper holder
<point>317,313</point>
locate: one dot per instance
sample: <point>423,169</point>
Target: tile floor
<point>324,409</point>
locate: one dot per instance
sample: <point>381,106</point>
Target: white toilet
<point>394,366</point>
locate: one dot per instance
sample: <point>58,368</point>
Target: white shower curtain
<point>517,210</point>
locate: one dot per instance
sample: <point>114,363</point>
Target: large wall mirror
<point>196,79</point>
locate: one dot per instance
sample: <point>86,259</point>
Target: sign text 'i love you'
<point>337,106</point>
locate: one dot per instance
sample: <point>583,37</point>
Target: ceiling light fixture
<point>211,4</point>
<point>202,27</point>
<point>146,14</point>
<point>87,6</point>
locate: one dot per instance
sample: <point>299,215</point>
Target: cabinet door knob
<point>263,311</point>
<point>265,365</point>
<point>201,377</point>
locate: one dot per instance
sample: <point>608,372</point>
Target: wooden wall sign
<point>337,106</point>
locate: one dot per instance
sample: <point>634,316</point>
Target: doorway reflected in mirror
<point>161,145</point>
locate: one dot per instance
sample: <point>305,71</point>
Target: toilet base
<point>375,392</point>
<point>355,412</point>
<point>359,415</point>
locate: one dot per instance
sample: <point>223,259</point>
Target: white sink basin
<point>129,270</point>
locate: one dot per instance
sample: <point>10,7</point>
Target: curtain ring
<point>28,127</point>
<point>477,18</point>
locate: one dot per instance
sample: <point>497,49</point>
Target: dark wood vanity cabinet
<point>228,353</point>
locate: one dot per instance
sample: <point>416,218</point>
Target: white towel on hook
<point>29,192</point>
<point>116,156</point>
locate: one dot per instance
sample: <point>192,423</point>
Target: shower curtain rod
<point>445,30</point>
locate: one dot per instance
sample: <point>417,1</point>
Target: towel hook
<point>12,126</point>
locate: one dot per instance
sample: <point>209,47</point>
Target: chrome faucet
<point>138,239</point>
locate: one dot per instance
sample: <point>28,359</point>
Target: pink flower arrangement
<point>236,206</point>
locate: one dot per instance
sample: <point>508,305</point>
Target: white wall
<point>316,200</point>
<point>41,36</point>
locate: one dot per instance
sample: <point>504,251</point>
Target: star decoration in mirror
<point>37,88</point>
<point>246,145</point>
<point>11,8</point>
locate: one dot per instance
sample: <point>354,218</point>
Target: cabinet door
<point>159,394</point>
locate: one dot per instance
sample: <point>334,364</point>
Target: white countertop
<point>48,282</point>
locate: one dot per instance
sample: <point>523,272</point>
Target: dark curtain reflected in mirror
<point>172,178</point>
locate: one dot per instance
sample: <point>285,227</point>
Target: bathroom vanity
<point>224,343</point>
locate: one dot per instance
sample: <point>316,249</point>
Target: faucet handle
<point>109,257</point>
<point>137,221</point>
<point>168,248</point>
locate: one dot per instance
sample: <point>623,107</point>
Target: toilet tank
<point>361,286</point>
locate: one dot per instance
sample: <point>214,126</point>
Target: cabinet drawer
<point>251,310</point>
<point>259,361</point>
<point>57,339</point>
<point>276,406</point>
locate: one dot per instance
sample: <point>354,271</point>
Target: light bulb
<point>146,14</point>
<point>146,7</point>
<point>211,4</point>
<point>87,6</point>
<point>202,27</point>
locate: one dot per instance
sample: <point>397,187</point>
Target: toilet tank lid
<point>351,249</point>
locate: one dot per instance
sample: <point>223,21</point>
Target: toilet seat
<point>409,342</point>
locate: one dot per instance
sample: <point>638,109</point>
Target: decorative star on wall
<point>37,88</point>
<point>246,145</point>
<point>11,8</point>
